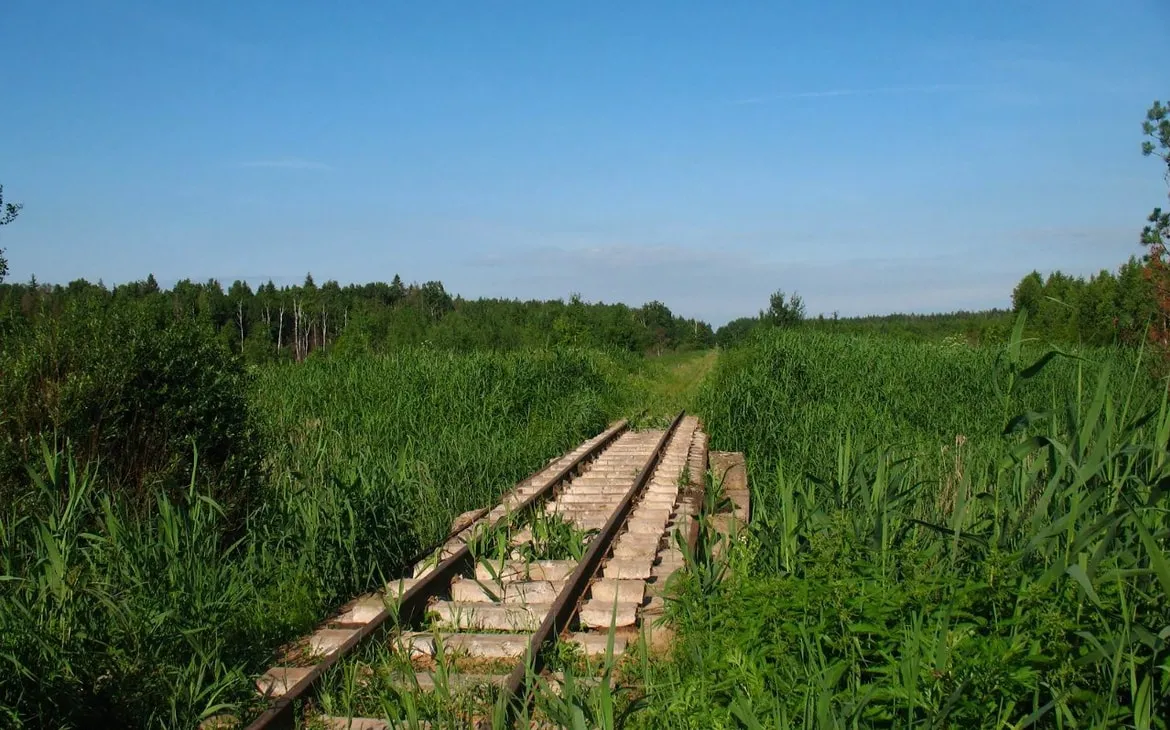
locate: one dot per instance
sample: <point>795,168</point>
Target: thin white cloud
<point>826,93</point>
<point>287,163</point>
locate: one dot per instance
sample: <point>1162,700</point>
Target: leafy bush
<point>141,394</point>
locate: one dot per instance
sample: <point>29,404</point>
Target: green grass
<point>110,618</point>
<point>911,564</point>
<point>452,430</point>
<point>943,536</point>
<point>669,383</point>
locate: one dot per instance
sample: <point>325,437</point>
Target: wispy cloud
<point>287,163</point>
<point>826,93</point>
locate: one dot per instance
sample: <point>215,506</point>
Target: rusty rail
<point>566,604</point>
<point>281,712</point>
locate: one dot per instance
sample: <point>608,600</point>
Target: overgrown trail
<point>514,620</point>
<point>672,382</point>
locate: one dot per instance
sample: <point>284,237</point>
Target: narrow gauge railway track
<point>625,491</point>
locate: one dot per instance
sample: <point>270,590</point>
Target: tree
<point>397,290</point>
<point>1156,235</point>
<point>783,313</point>
<point>658,320</point>
<point>735,331</point>
<point>1027,294</point>
<point>240,294</point>
<point>8,213</point>
<point>1157,128</point>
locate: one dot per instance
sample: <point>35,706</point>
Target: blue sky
<point>896,156</point>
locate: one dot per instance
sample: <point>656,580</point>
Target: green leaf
<point>1142,704</point>
<point>1034,369</point>
<point>1078,574</point>
<point>1157,558</point>
<point>1024,420</point>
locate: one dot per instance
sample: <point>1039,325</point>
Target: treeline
<point>292,322</point>
<point>1102,309</point>
<point>992,325</point>
<point>789,312</point>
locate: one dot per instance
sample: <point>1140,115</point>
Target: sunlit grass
<point>941,537</point>
<point>670,383</point>
<point>113,619</point>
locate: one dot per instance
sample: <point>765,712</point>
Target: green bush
<point>143,395</point>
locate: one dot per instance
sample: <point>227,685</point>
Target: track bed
<point>573,560</point>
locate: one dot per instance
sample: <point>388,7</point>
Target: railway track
<point>576,555</point>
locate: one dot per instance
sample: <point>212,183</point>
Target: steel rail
<point>479,513</point>
<point>566,604</point>
<point>281,712</point>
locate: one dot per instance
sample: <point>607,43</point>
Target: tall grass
<point>453,429</point>
<point>112,619</point>
<point>942,537</point>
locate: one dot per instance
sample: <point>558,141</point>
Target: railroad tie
<point>469,621</point>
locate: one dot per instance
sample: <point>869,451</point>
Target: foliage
<point>293,322</point>
<point>991,326</point>
<point>1103,309</point>
<point>784,312</point>
<point>8,213</point>
<point>142,396</point>
<point>886,391</point>
<point>1157,128</point>
<point>147,620</point>
<point>1157,233</point>
<point>735,332</point>
<point>479,419</point>
<point>941,537</point>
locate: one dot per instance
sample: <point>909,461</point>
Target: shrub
<point>140,393</point>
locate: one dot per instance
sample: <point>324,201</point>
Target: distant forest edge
<point>1103,309</point>
<point>292,322</point>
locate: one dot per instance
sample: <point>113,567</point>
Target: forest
<point>271,324</point>
<point>293,322</point>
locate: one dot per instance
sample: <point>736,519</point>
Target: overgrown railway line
<point>483,612</point>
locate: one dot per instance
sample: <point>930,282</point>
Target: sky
<point>902,156</point>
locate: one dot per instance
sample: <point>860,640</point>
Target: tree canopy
<point>292,322</point>
<point>8,213</point>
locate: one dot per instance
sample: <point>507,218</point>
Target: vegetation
<point>1103,309</point>
<point>665,385</point>
<point>942,536</point>
<point>143,396</point>
<point>988,327</point>
<point>1156,235</point>
<point>8,213</point>
<point>954,525</point>
<point>159,617</point>
<point>291,323</point>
